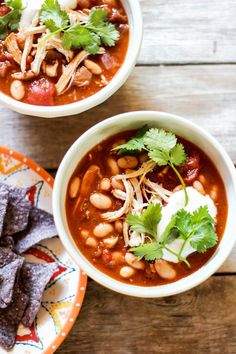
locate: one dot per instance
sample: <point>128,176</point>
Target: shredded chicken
<point>126,233</point>
<point>69,71</point>
<point>159,190</point>
<point>114,215</point>
<point>135,239</point>
<point>24,76</point>
<point>39,56</point>
<point>13,47</point>
<point>56,43</point>
<point>50,69</point>
<point>142,171</point>
<point>76,17</point>
<point>119,194</point>
<point>28,45</point>
<point>82,77</point>
<point>136,185</point>
<point>29,31</point>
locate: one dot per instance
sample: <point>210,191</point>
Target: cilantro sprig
<point>197,228</point>
<point>52,16</point>
<point>147,222</point>
<point>10,21</point>
<point>90,35</point>
<point>162,147</point>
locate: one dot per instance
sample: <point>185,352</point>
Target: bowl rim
<point>135,17</point>
<point>226,244</point>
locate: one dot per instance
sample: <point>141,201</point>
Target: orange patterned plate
<point>64,294</point>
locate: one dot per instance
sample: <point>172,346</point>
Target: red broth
<point>82,216</point>
<point>110,63</point>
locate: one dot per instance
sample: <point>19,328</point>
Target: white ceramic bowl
<point>134,13</point>
<point>181,127</point>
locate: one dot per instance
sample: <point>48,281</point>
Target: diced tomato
<point>4,10</point>
<point>41,93</point>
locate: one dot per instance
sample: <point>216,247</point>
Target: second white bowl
<point>180,127</point>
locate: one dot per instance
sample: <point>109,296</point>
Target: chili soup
<point>60,52</point>
<point>146,207</point>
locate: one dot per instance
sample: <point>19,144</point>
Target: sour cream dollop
<point>31,7</point>
<point>177,202</point>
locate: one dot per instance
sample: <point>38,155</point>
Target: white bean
<point>199,187</point>
<point>105,184</point>
<point>119,226</point>
<point>74,187</point>
<point>127,272</point>
<point>17,90</point>
<point>178,188</point>
<point>100,201</point>
<point>202,179</point>
<point>91,242</point>
<point>118,257</point>
<point>214,193</point>
<point>103,229</point>
<point>93,67</point>
<point>118,143</point>
<point>110,242</point>
<point>133,261</point>
<point>84,233</point>
<point>164,269</point>
<point>127,162</point>
<point>112,164</point>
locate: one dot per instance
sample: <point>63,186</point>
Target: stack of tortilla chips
<point>21,283</point>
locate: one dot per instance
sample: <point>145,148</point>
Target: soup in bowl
<point>144,203</point>
<point>66,56</point>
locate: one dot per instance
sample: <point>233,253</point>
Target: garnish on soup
<point>162,148</point>
<point>60,51</point>
<point>146,207</point>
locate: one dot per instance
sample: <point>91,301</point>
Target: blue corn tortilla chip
<point>10,318</point>
<point>9,274</point>
<point>4,196</point>
<point>7,241</point>
<point>41,226</point>
<point>18,209</point>
<point>6,256</point>
<point>10,264</point>
<point>33,280</point>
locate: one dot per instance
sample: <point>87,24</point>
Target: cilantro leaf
<point>160,157</point>
<point>89,36</point>
<point>98,23</point>
<point>97,17</point>
<point>15,4</point>
<point>178,155</point>
<point>170,233</point>
<point>197,228</point>
<point>134,144</point>
<point>184,223</point>
<point>163,147</point>
<point>159,139</point>
<point>79,36</point>
<point>9,22</point>
<point>202,215</point>
<point>52,16</point>
<point>149,251</point>
<point>147,222</point>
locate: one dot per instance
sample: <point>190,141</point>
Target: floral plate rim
<point>60,337</point>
